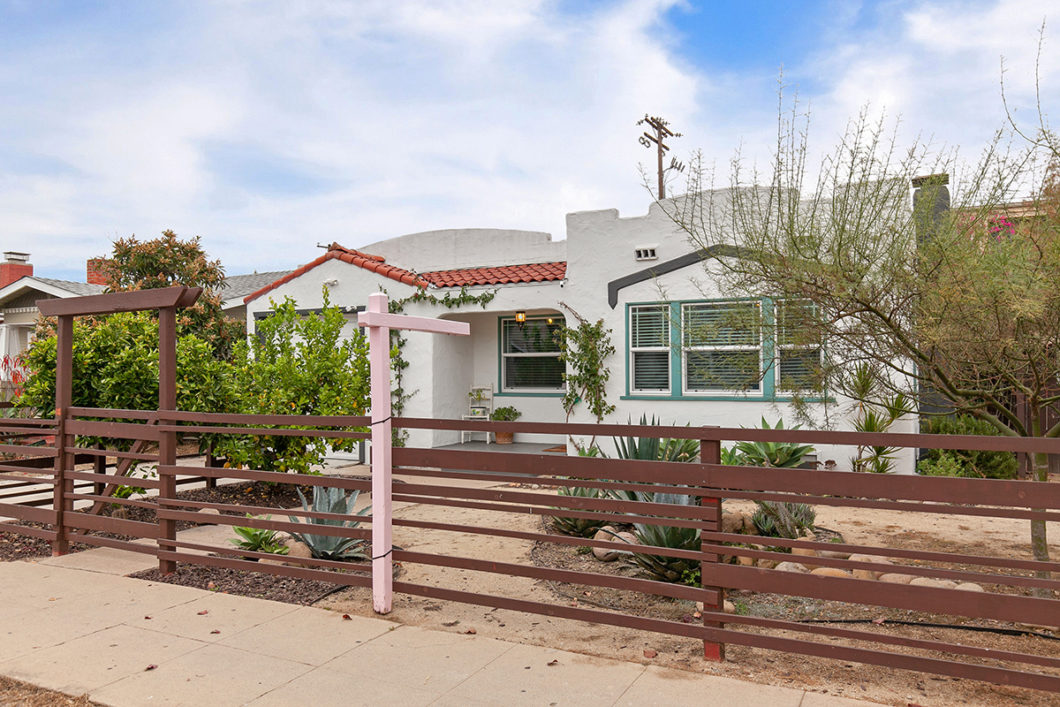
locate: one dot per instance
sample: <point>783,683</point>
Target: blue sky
<point>268,127</point>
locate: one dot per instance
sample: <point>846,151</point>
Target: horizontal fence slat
<point>279,477</point>
<point>120,413</point>
<point>100,541</point>
<point>915,663</point>
<point>29,451</point>
<point>113,501</point>
<point>231,551</point>
<point>251,419</point>
<point>1003,607</point>
<point>112,479</point>
<point>986,443</point>
<point>29,513</point>
<point>552,512</point>
<point>985,560</point>
<point>177,504</point>
<point>106,524</point>
<point>29,531</point>
<point>89,451</point>
<point>266,431</point>
<point>113,430</point>
<point>286,526</point>
<point>351,579</point>
<point>632,584</point>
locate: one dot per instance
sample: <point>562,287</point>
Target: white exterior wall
<point>599,248</point>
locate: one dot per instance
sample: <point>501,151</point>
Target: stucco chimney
<point>94,273</point>
<point>15,266</point>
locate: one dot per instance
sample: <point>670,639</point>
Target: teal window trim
<point>767,389</point>
<point>501,393</point>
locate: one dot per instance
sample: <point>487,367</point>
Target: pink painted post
<point>379,322</point>
<point>379,358</point>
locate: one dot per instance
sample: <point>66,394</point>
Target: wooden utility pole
<point>657,137</point>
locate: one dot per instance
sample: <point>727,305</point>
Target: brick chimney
<point>15,266</point>
<point>94,272</point>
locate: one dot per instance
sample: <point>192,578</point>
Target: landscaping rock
<point>731,523</point>
<point>937,583</point>
<point>745,561</point>
<point>749,525</point>
<point>970,587</point>
<point>210,511</point>
<point>869,574</point>
<point>792,567</point>
<point>896,578</point>
<point>831,572</point>
<point>298,549</point>
<point>730,608</point>
<point>805,552</point>
<point>834,554</point>
<point>605,554</point>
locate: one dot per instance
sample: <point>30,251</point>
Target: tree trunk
<point>1039,536</point>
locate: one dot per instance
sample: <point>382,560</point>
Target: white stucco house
<point>639,274</point>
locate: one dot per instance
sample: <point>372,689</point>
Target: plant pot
<point>503,437</point>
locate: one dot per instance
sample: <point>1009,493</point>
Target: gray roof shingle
<point>239,286</point>
<point>78,288</point>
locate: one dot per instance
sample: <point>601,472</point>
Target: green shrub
<point>784,455</point>
<point>966,463</point>
<point>258,539</point>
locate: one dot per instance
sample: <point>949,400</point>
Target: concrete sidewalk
<point>130,642</point>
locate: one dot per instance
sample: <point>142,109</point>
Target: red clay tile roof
<point>499,275</point>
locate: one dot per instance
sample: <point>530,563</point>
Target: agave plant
<point>784,455</point>
<point>667,569</point>
<point>258,539</point>
<point>581,527</point>
<point>652,449</point>
<point>331,547</point>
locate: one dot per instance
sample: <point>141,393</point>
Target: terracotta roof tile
<point>499,275</point>
<point>463,277</point>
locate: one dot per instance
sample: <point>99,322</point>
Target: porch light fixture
<point>550,320</point>
<point>520,317</point>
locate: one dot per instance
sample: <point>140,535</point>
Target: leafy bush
<point>328,499</point>
<point>967,463</point>
<point>505,414</point>
<point>777,519</point>
<point>258,539</point>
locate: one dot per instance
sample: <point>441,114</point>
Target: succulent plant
<point>327,499</point>
<point>581,527</point>
<point>258,539</point>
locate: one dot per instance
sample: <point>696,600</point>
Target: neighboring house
<point>676,357</point>
<point>19,293</point>
<point>237,287</point>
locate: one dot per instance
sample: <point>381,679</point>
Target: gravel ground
<point>248,584</point>
<point>13,692</point>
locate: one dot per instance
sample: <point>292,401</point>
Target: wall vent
<point>645,252</point>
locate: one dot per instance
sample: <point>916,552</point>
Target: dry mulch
<point>14,692</point>
<point>247,584</point>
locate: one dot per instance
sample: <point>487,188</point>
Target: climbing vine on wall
<point>398,363</point>
<point>585,349</point>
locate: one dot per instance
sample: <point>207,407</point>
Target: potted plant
<point>505,414</point>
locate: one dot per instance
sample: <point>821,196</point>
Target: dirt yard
<point>870,527</point>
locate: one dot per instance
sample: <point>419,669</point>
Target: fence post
<point>710,453</point>
<point>64,376</point>
<point>167,443</point>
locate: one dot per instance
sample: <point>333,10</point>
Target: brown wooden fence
<point>1020,590</point>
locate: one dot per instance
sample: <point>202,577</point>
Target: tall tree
<point>167,261</point>
<point>963,300</point>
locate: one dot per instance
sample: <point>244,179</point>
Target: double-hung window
<point>798,349</point>
<point>530,356</point>
<point>649,348</point>
<point>721,346</point>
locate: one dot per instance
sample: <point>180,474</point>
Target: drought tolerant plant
<point>327,499</point>
<point>874,413</point>
<point>581,527</point>
<point>258,539</point>
<point>667,569</point>
<point>783,455</point>
<point>783,520</point>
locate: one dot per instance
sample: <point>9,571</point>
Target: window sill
<point>551,394</point>
<point>727,398</point>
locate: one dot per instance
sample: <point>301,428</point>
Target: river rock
<point>831,572</point>
<point>298,549</point>
<point>930,582</point>
<point>896,578</point>
<point>834,554</point>
<point>805,552</point>
<point>731,523</point>
<point>970,587</point>
<point>605,554</point>
<point>792,567</point>
<point>868,574</point>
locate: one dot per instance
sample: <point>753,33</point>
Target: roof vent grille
<point>645,252</point>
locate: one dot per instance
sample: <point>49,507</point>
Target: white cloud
<point>269,127</point>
